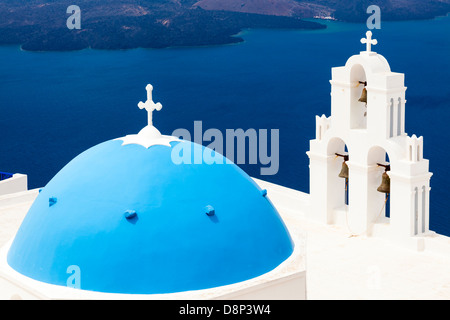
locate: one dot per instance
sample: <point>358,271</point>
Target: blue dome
<point>135,222</point>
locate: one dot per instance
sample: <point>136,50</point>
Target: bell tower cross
<point>369,41</point>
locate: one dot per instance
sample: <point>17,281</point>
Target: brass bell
<point>363,96</point>
<point>385,186</point>
<point>344,171</point>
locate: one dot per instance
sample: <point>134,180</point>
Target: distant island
<point>39,25</point>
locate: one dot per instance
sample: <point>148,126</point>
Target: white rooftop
<point>337,266</point>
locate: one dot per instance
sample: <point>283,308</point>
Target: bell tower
<point>366,135</point>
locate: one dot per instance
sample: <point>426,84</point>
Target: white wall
<point>17,183</point>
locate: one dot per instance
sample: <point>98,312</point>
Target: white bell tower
<point>365,131</point>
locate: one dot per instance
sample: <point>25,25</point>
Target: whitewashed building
<point>160,231</point>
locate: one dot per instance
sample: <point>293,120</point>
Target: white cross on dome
<point>149,105</point>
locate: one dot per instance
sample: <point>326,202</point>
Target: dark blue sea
<point>54,105</point>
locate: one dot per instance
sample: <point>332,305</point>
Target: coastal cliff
<point>344,10</point>
<point>40,25</point>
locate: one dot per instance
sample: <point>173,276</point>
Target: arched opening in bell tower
<point>358,98</point>
<point>379,184</point>
<point>338,176</point>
